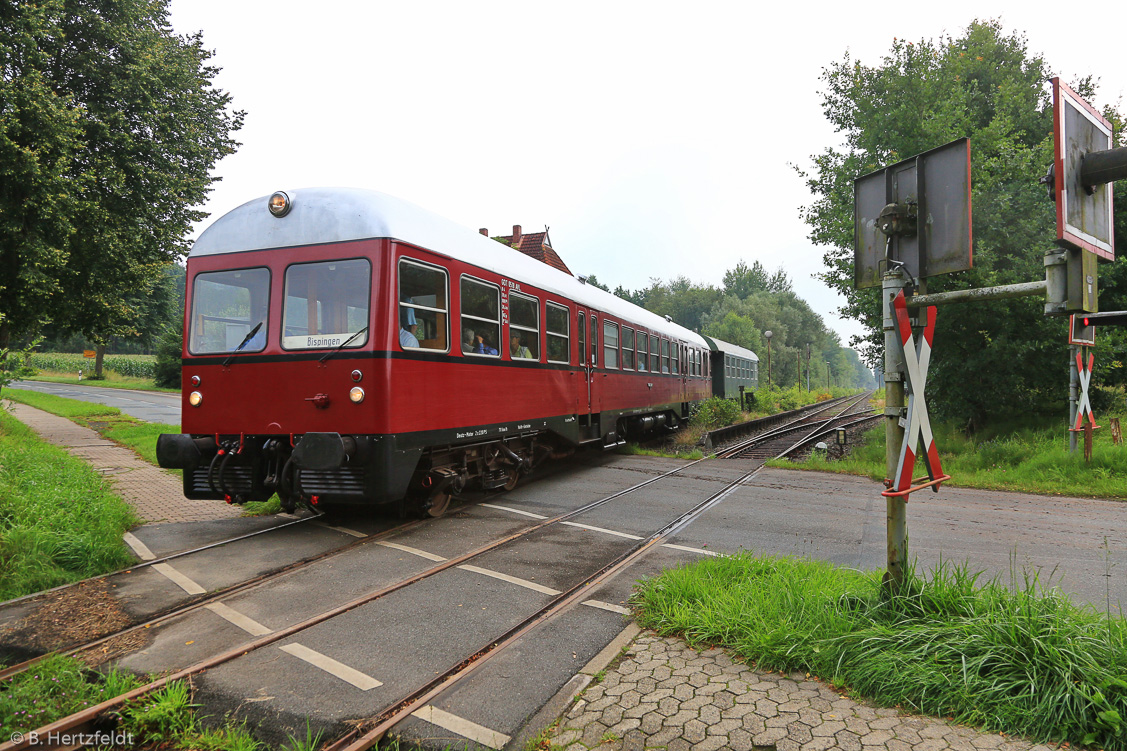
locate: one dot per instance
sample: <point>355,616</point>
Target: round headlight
<point>280,204</point>
<point>195,398</point>
<point>356,394</point>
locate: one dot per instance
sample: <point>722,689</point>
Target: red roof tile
<point>535,245</point>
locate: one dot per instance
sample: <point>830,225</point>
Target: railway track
<point>801,431</point>
<point>408,698</point>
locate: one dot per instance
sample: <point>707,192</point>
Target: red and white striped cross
<point>1084,406</point>
<point>917,357</point>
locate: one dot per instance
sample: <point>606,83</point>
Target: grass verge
<point>61,686</point>
<point>1018,661</point>
<point>1022,459</point>
<point>59,520</point>
<point>128,431</point>
<point>109,421</point>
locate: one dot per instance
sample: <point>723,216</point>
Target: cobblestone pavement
<point>156,495</point>
<point>666,695</point>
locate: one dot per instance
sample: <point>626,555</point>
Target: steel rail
<point>791,427</point>
<point>169,557</point>
<point>86,717</point>
<point>353,741</point>
<point>813,434</point>
<point>719,435</point>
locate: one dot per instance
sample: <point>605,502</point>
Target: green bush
<point>715,413</point>
<point>167,367</point>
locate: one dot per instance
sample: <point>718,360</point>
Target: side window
<point>423,307</point>
<point>594,342</point>
<point>481,317</point>
<point>582,340</point>
<point>676,360</point>
<point>524,326</point>
<point>627,348</point>
<point>610,344</point>
<point>643,348</point>
<point>326,304</point>
<point>559,343</point>
<point>655,354</point>
<point>664,355</point>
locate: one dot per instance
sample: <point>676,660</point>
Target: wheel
<point>436,505</point>
<point>514,476</point>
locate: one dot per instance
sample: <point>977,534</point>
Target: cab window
<point>226,306</point>
<point>326,304</point>
<point>423,307</point>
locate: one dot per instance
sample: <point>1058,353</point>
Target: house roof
<point>536,245</point>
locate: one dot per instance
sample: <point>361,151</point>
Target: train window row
<point>486,307</point>
<point>739,367</point>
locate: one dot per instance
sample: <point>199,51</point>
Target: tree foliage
<point>1001,357</point>
<point>113,131</point>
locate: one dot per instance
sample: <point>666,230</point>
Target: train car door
<point>587,324</point>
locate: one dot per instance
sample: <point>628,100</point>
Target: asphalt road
<point>150,406</point>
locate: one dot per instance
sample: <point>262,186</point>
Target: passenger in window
<point>515,348</point>
<point>467,340</point>
<point>485,348</point>
<point>407,328</point>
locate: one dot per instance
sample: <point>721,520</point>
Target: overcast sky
<point>655,139</point>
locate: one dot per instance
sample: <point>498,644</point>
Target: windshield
<point>226,305</point>
<point>327,304</point>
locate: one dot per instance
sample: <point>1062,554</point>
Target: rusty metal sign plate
<point>936,185</point>
<point>1084,221</point>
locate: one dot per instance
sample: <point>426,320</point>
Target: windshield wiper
<point>343,344</point>
<point>243,343</point>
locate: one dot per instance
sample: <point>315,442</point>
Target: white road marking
<point>332,667</point>
<point>511,580</point>
<point>600,529</point>
<point>689,550</point>
<point>463,727</point>
<point>345,530</point>
<point>412,551</point>
<point>140,548</point>
<point>512,510</point>
<point>231,615</point>
<point>607,606</point>
<point>178,579</point>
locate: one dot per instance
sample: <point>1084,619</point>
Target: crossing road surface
<point>150,406</point>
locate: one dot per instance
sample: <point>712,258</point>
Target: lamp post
<point>827,375</point>
<point>767,335</point>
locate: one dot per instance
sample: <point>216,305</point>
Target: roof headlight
<point>195,398</point>
<point>280,204</point>
<point>356,394</point>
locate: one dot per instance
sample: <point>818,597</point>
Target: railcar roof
<point>719,345</point>
<point>330,215</point>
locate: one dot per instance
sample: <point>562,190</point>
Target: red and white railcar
<point>345,347</point>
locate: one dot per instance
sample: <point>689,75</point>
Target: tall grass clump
<point>59,521</point>
<point>1023,660</point>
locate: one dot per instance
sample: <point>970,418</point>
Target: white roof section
<point>719,345</point>
<point>331,215</point>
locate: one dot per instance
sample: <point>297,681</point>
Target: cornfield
<point>130,366</point>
